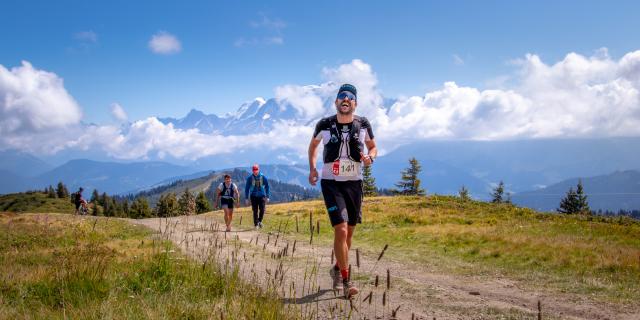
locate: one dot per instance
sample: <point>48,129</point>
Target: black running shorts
<point>226,203</point>
<point>343,200</point>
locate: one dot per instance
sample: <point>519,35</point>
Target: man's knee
<point>341,230</point>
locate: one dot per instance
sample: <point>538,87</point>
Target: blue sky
<point>233,52</point>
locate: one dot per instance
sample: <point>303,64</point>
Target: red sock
<point>345,274</point>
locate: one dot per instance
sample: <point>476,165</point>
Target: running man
<point>256,190</point>
<point>344,136</point>
<point>227,193</point>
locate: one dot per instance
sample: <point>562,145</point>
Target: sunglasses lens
<point>343,95</point>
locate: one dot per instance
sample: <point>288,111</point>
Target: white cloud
<point>269,32</point>
<point>164,43</point>
<point>266,41</point>
<point>274,40</point>
<point>307,100</point>
<point>33,101</point>
<point>361,75</point>
<point>578,96</point>
<point>148,137</point>
<point>86,36</point>
<point>118,112</point>
<point>268,23</point>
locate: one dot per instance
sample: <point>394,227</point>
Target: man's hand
<point>246,202</point>
<point>313,177</point>
<point>366,159</point>
<point>266,200</point>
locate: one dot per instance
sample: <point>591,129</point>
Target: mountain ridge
<point>619,190</point>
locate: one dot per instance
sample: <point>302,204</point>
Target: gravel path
<point>298,271</point>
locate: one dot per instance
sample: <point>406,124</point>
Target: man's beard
<point>344,113</point>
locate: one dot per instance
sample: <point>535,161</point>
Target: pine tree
<point>187,203</point>
<point>409,183</point>
<point>569,204</point>
<point>463,193</point>
<point>61,191</point>
<point>103,199</point>
<point>109,209</point>
<point>125,207</point>
<point>95,196</point>
<point>140,208</point>
<point>583,204</point>
<point>202,204</point>
<point>575,201</point>
<point>167,205</point>
<point>51,193</point>
<point>368,183</point>
<point>498,193</point>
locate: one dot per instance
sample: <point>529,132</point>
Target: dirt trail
<point>298,272</point>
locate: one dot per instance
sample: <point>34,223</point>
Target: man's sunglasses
<point>346,94</point>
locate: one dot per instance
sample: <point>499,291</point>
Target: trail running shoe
<point>337,278</point>
<point>260,225</point>
<point>350,289</point>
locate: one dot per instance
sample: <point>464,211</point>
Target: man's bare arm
<point>313,172</point>
<point>372,152</point>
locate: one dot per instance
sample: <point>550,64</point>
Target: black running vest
<point>333,148</point>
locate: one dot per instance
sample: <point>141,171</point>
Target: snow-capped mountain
<point>196,119</point>
<point>259,115</point>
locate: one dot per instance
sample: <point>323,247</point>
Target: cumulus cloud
<point>308,101</point>
<point>164,43</point>
<point>150,137</point>
<point>578,96</point>
<point>118,112</point>
<point>33,101</point>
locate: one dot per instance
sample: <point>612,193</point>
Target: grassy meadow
<point>64,267</point>
<point>34,202</point>
<point>594,257</point>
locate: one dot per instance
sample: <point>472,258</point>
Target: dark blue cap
<point>348,87</point>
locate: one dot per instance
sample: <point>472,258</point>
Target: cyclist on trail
<point>344,136</point>
<point>79,201</point>
<point>227,193</point>
<point>256,191</point>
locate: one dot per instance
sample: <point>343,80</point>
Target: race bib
<point>346,168</point>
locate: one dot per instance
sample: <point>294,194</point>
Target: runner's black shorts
<point>226,203</point>
<point>343,200</point>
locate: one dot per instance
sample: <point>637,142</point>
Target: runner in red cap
<point>256,191</point>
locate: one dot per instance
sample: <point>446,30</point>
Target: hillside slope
<point>280,192</point>
<point>615,191</point>
<point>34,202</point>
